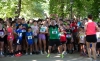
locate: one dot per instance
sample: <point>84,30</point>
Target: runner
<point>10,37</point>
<point>90,29</point>
<point>35,30</point>
<point>81,36</point>
<point>54,37</point>
<point>2,34</point>
<point>19,32</point>
<point>29,39</point>
<point>42,37</point>
<point>63,39</point>
<point>69,39</point>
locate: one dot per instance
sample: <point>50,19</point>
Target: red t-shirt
<point>63,38</point>
<point>74,26</point>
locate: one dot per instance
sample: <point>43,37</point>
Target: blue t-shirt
<point>25,25</point>
<point>79,24</point>
<point>19,32</point>
<point>29,36</point>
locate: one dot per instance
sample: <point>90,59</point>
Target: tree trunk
<point>18,9</point>
<point>62,9</point>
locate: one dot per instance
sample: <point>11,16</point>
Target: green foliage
<point>29,8</point>
<point>37,8</point>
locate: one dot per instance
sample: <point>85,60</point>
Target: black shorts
<point>69,41</point>
<point>98,45</point>
<point>91,38</point>
<point>5,39</point>
<point>1,39</point>
<point>63,42</point>
<point>24,35</point>
<point>52,42</point>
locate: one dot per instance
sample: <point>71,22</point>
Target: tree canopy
<point>38,8</point>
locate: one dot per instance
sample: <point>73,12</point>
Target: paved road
<point>54,57</point>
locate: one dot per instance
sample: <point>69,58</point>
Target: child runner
<point>82,41</point>
<point>10,37</point>
<point>35,30</point>
<point>2,34</point>
<point>69,39</point>
<point>63,38</point>
<point>42,37</point>
<point>29,38</point>
<point>19,40</point>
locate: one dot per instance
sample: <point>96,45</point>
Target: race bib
<point>54,32</point>
<point>1,33</point>
<point>42,30</point>
<point>23,30</point>
<point>29,37</point>
<point>82,37</point>
<point>68,36</point>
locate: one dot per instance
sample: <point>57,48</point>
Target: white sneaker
<point>95,60</point>
<point>64,52</point>
<point>90,59</point>
<point>45,52</point>
<point>30,53</point>
<point>41,53</point>
<point>26,54</point>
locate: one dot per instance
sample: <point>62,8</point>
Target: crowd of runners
<point>44,36</point>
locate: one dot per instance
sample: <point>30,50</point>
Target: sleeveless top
<point>1,32</point>
<point>10,31</point>
<point>91,28</point>
<point>53,32</point>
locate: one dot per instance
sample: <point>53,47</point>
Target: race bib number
<point>1,33</point>
<point>42,30</point>
<point>68,36</point>
<point>82,37</point>
<point>29,37</point>
<point>23,30</point>
<point>54,32</point>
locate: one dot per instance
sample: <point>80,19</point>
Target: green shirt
<point>53,32</point>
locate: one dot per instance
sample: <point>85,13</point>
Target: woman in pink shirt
<point>90,29</point>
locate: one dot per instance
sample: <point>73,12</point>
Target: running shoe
<point>17,55</point>
<point>61,55</point>
<point>41,53</point>
<point>48,55</point>
<point>45,52</point>
<point>30,53</point>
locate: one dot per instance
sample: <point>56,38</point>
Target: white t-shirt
<point>35,29</point>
